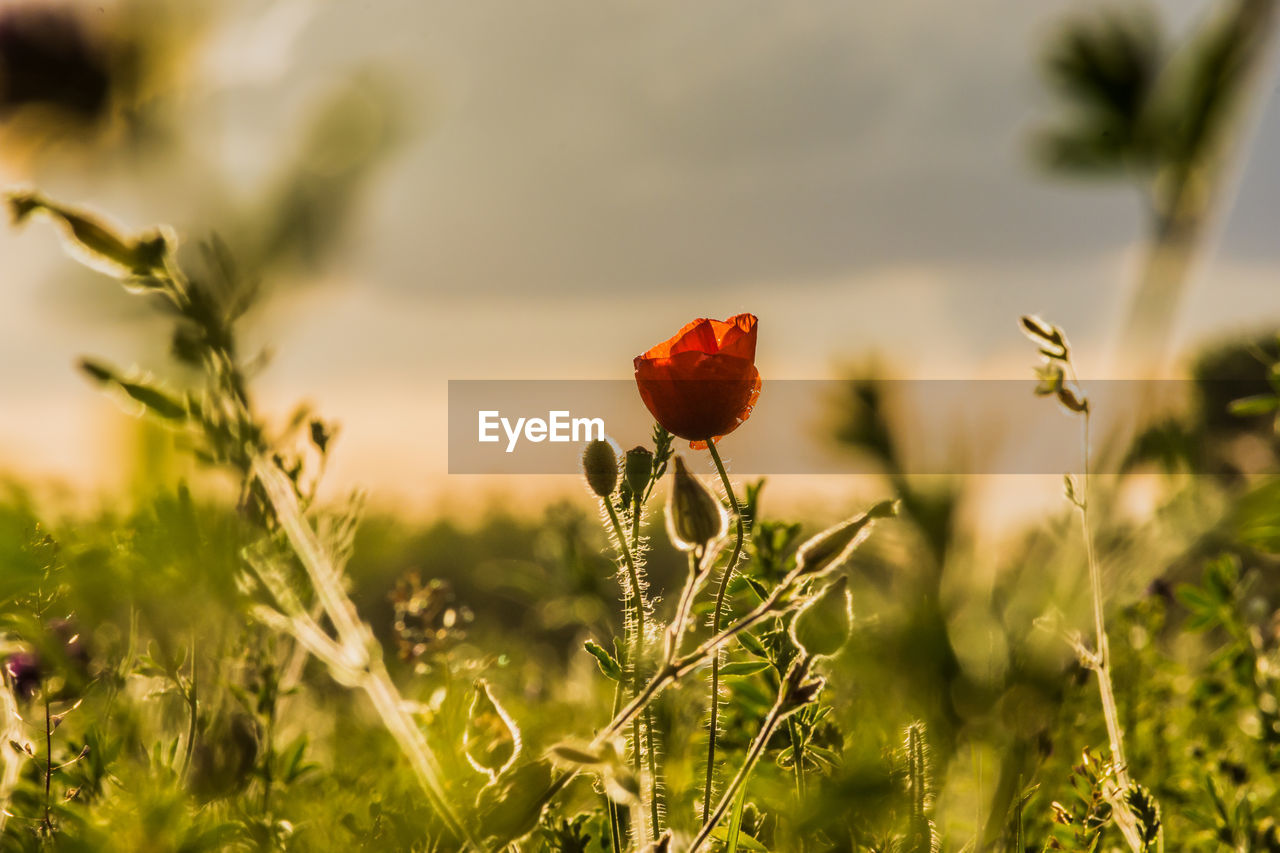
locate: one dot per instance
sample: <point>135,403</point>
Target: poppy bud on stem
<point>638,469</point>
<point>822,626</point>
<point>600,467</point>
<point>831,549</point>
<point>695,516</point>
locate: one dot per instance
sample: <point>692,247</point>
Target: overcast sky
<point>583,177</point>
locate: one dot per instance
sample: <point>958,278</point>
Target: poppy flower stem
<point>637,638</point>
<point>716,618</point>
<point>637,509</point>
<point>615,818</point>
<point>781,708</point>
<point>778,602</point>
<point>680,624</point>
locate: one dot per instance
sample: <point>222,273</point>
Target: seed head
<point>833,547</point>
<point>600,467</point>
<point>695,516</point>
<point>822,626</point>
<point>638,468</point>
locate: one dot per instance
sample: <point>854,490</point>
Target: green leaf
<point>749,642</point>
<point>761,591</point>
<point>1259,404</point>
<point>95,242</point>
<point>97,371</point>
<point>573,754</point>
<point>745,842</point>
<point>608,665</point>
<point>157,402</point>
<point>293,761</point>
<point>743,668</point>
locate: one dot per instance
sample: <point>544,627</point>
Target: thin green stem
<point>48,762</point>
<point>193,702</point>
<point>734,831</point>
<point>797,757</point>
<point>637,638</point>
<point>615,819</point>
<point>655,818</point>
<point>1102,657</point>
<point>680,624</point>
<point>775,716</point>
<point>716,617</point>
<point>677,668</point>
<point>1103,652</point>
<point>614,843</point>
<point>797,765</point>
<point>348,657</point>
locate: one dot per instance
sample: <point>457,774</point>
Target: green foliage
<point>183,698</point>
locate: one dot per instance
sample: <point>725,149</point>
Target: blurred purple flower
<point>25,673</point>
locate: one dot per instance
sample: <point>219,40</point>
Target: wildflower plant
<point>1133,809</point>
<point>734,704</point>
<point>224,429</point>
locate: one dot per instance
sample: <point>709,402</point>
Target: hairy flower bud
<point>600,467</point>
<point>638,468</point>
<point>695,516</point>
<point>833,547</point>
<point>821,627</point>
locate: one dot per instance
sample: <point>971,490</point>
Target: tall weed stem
<point>781,707</point>
<point>717,615</point>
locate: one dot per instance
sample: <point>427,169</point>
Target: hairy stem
<point>779,601</point>
<point>775,716</point>
<point>354,643</point>
<point>655,816</point>
<point>1102,663</point>
<point>637,638</point>
<point>670,673</point>
<point>615,816</point>
<point>717,616</point>
<point>680,624</point>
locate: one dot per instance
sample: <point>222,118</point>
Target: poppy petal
<point>702,383</point>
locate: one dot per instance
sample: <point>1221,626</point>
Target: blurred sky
<point>580,178</point>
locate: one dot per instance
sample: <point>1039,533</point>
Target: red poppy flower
<point>702,382</point>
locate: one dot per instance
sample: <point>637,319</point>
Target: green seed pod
<point>491,741</point>
<point>600,467</point>
<point>512,807</point>
<point>695,516</point>
<point>638,467</point>
<point>822,626</point>
<point>833,547</point>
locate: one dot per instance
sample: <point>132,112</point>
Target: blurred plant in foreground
<point>1168,119</point>
<point>297,565</point>
<point>1131,806</point>
<point>225,430</point>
